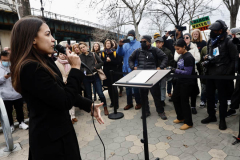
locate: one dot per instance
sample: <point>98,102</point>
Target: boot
<point>222,124</point>
<point>106,111</point>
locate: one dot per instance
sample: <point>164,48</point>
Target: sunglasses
<point>143,41</point>
<point>186,37</point>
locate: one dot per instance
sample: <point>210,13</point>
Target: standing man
<point>220,60</point>
<point>159,43</point>
<point>125,50</point>
<point>9,95</point>
<point>155,36</point>
<point>147,58</point>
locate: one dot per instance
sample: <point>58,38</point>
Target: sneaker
<point>231,112</point>
<point>162,115</point>
<point>202,104</point>
<point>111,105</point>
<point>194,111</point>
<point>229,102</point>
<point>147,115</point>
<point>12,129</point>
<point>209,119</point>
<point>23,126</point>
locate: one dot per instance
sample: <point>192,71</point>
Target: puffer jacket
<point>195,53</point>
<point>147,60</point>
<point>7,91</point>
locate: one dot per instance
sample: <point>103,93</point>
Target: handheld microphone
<point>62,49</point>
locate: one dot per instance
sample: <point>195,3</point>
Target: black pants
<point>230,89</point>
<point>180,99</point>
<point>221,86</point>
<point>18,105</point>
<point>113,94</point>
<point>156,93</point>
<point>235,100</point>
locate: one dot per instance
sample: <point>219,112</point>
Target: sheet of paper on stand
<point>143,76</point>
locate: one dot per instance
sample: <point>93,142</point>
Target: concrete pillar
<point>5,38</point>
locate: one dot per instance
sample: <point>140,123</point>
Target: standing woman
<point>183,87</point>
<point>195,53</point>
<point>111,62</point>
<point>64,67</point>
<point>94,62</point>
<point>76,49</point>
<point>37,78</point>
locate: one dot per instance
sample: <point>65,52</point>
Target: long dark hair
<point>99,47</point>
<point>22,51</point>
<point>181,43</point>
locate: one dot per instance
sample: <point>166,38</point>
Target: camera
<point>209,60</point>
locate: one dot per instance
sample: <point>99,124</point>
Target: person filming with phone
<point>37,78</point>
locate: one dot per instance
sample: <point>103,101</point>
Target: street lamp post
<point>42,8</point>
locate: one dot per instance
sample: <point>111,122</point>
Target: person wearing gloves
<point>183,87</point>
<point>195,53</point>
<point>9,95</point>
<point>125,50</point>
<point>147,58</point>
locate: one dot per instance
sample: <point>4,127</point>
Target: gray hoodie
<point>7,91</point>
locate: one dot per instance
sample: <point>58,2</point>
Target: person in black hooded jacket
<point>147,58</point>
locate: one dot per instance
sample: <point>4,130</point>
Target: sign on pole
<point>201,23</point>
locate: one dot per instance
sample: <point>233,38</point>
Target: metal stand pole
<point>144,121</point>
<point>115,115</point>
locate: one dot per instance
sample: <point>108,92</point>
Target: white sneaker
<point>12,129</point>
<point>229,102</point>
<point>202,104</point>
<point>23,126</point>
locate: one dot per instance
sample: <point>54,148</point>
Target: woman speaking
<point>37,78</point>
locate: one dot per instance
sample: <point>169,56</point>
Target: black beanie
<point>147,37</point>
<point>132,32</point>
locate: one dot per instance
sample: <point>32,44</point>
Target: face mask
<point>5,63</point>
<point>55,54</point>
<point>144,46</point>
<point>130,38</point>
<point>213,35</point>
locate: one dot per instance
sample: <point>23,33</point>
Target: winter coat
<point>169,54</point>
<point>195,53</point>
<point>51,132</point>
<point>125,51</point>
<point>89,60</point>
<point>148,59</point>
<point>7,91</point>
<point>62,70</point>
<point>112,65</point>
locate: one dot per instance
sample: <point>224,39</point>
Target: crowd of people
<point>184,54</point>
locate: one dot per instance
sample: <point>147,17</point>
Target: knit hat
<point>159,39</point>
<point>147,37</point>
<point>156,35</point>
<point>188,35</point>
<point>132,32</point>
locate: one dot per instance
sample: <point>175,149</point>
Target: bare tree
<point>180,12</point>
<point>158,23</point>
<point>233,7</point>
<point>101,35</point>
<point>135,8</point>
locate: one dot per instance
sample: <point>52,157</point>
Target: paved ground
<point>166,141</point>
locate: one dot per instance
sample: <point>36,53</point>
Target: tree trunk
<point>233,20</point>
<point>137,32</point>
<point>24,9</point>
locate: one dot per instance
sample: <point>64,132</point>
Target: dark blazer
<point>51,133</point>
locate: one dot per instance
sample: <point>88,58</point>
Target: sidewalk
<point>166,141</point>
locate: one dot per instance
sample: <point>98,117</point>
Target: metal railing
<point>51,15</point>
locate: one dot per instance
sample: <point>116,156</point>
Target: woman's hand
<point>73,59</point>
<point>108,59</point>
<point>97,113</point>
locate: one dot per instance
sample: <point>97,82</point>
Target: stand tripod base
<point>117,115</point>
<point>237,141</point>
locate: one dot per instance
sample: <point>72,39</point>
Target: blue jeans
<point>163,88</point>
<point>88,80</point>
<point>129,95</point>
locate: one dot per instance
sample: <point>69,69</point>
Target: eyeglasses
<point>143,41</point>
<point>186,37</point>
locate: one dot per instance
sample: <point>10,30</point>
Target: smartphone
<point>126,41</point>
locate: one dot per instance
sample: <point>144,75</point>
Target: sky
<point>73,8</point>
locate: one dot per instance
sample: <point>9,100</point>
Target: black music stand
<point>149,84</point>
